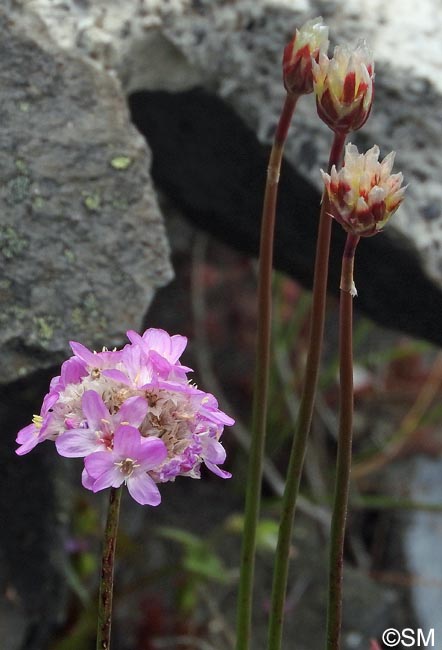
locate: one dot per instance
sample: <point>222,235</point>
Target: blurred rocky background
<point>85,205</point>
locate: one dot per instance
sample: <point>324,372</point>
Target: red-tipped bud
<point>308,43</point>
<point>344,87</point>
<point>364,194</point>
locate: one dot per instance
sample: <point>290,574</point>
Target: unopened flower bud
<point>344,87</point>
<point>364,194</point>
<point>307,44</point>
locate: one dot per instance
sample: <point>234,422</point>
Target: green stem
<point>302,428</point>
<point>343,464</point>
<point>107,571</point>
<point>260,394</point>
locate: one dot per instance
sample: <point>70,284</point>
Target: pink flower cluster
<point>133,415</point>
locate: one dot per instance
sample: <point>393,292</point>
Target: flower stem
<point>343,464</point>
<point>107,571</point>
<point>260,394</point>
<point>302,428</point>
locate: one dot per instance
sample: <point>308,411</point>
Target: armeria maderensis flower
<point>133,415</point>
<point>364,194</point>
<point>344,87</point>
<point>308,43</point>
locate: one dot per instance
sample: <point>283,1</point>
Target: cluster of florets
<point>133,415</point>
<point>343,84</point>
<point>344,87</point>
<point>364,193</point>
<point>307,45</point>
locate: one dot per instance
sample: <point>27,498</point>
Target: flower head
<point>309,42</point>
<point>133,415</point>
<point>344,87</point>
<point>364,194</point>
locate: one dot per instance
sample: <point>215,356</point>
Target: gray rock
<point>82,242</point>
<point>418,480</point>
<point>235,49</point>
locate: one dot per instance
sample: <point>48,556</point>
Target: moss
<point>121,162</point>
<point>44,328</point>
<point>70,255</point>
<point>92,202</point>
<point>13,314</point>
<point>87,317</point>
<point>38,203</point>
<point>120,204</point>
<point>18,188</point>
<point>21,166</point>
<point>11,242</point>
<point>77,317</point>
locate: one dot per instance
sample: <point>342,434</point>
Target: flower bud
<point>344,87</point>
<point>364,194</point>
<point>307,44</point>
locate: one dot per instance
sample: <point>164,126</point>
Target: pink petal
<point>133,411</point>
<point>86,480</point>
<point>215,452</point>
<point>77,443</point>
<point>111,478</point>
<point>151,453</point>
<point>217,416</point>
<point>157,339</point>
<point>161,364</point>
<point>143,489</point>
<point>134,337</point>
<point>84,354</point>
<point>26,433</point>
<point>127,441</point>
<point>178,345</point>
<point>72,371</point>
<point>48,402</point>
<point>94,410</point>
<point>117,375</point>
<point>28,442</point>
<point>99,462</point>
<point>216,470</point>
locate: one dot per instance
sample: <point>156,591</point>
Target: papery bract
<point>364,194</point>
<point>309,42</point>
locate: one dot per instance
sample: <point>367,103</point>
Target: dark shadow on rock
<point>211,165</point>
<point>31,546</point>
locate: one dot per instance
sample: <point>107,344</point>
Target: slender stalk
<point>343,464</point>
<point>107,571</point>
<point>260,394</point>
<point>303,424</point>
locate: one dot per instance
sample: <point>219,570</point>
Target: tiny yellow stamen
<point>37,421</point>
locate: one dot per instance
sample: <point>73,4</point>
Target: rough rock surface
<point>235,49</point>
<point>82,243</point>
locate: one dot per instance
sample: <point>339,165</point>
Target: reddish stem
<point>260,394</point>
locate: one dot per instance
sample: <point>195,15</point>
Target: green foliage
<point>199,557</point>
<point>266,532</point>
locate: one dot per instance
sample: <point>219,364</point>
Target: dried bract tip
<point>308,43</point>
<point>364,194</point>
<point>344,87</point>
